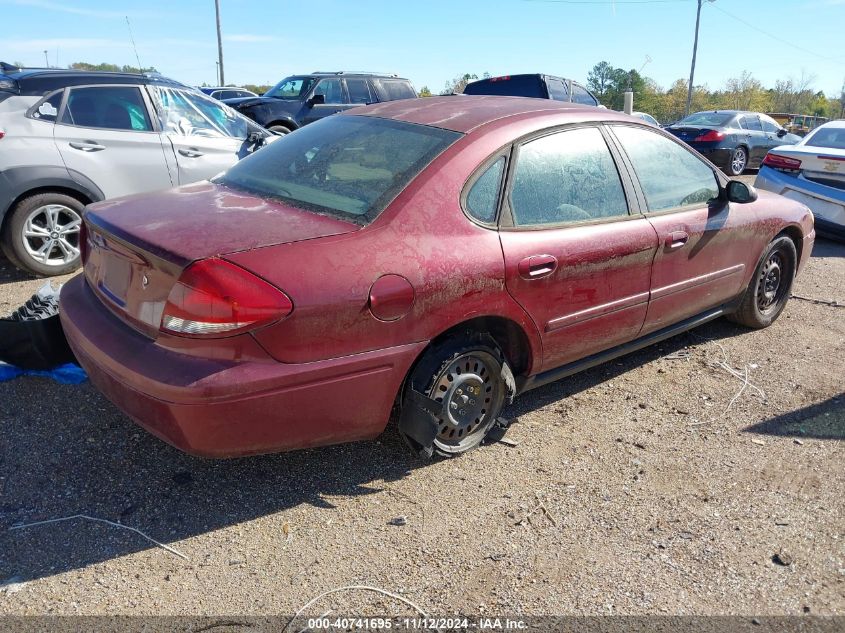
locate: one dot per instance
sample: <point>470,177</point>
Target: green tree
<point>458,83</point>
<point>599,79</point>
<point>114,68</point>
<point>425,92</point>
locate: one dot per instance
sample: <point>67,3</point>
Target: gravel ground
<point>654,484</point>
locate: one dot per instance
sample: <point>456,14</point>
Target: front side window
<point>291,88</point>
<point>108,107</point>
<point>483,196</point>
<point>670,175</point>
<point>348,167</point>
<point>566,177</point>
<point>332,91</point>
<point>769,125</point>
<point>187,113</point>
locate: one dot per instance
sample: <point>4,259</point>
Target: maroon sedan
<point>436,255</point>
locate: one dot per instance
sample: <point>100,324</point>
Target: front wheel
<point>464,376</point>
<point>42,235</point>
<point>770,287</point>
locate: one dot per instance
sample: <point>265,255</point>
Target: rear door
<point>205,136</point>
<point>758,144</point>
<point>705,246</point>
<point>575,258</point>
<point>106,134</point>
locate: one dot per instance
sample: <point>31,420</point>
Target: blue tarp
<point>68,374</point>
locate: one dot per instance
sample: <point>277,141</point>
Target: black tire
<point>18,249</point>
<point>281,130</point>
<point>770,287</point>
<point>738,161</point>
<point>466,369</point>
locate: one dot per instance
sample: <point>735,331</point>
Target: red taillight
<point>2,134</point>
<point>709,136</point>
<point>215,298</point>
<point>781,162</point>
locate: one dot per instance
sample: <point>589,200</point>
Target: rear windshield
<point>349,167</point>
<point>830,137</point>
<point>706,118</point>
<point>515,86</point>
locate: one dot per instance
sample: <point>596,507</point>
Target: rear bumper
<point>826,203</point>
<point>719,156</point>
<point>221,408</point>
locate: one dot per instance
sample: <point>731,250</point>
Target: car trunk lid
<point>137,247</point>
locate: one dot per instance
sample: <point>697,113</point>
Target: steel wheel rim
<point>471,390</point>
<point>50,235</point>
<point>738,161</point>
<point>771,285</point>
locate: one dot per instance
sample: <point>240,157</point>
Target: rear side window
<point>580,95</point>
<point>515,86</point>
<point>108,107</point>
<point>395,89</point>
<point>751,122</point>
<point>359,91</point>
<point>689,180</point>
<point>349,167</point>
<point>48,109</point>
<point>566,177</point>
<point>557,90</point>
<point>483,197</point>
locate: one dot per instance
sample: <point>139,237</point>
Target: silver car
<point>69,138</point>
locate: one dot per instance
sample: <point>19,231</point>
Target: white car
<point>812,172</point>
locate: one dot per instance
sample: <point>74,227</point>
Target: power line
<point>774,37</point>
<point>608,2</point>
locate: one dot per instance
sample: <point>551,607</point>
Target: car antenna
<point>135,48</point>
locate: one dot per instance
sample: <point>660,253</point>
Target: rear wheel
<point>464,375</point>
<point>769,289</point>
<point>42,234</point>
<point>739,161</point>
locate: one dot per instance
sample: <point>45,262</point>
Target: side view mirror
<point>740,192</point>
<point>782,133</point>
<point>317,99</point>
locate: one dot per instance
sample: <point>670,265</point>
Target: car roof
<point>840,123</point>
<point>464,113</point>
<point>37,81</point>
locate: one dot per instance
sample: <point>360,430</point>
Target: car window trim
<point>138,87</point>
<point>506,222</point>
<point>721,180</point>
<point>28,114</point>
<point>503,152</point>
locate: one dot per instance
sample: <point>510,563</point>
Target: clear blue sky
<point>432,41</point>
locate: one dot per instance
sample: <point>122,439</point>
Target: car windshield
<point>349,167</point>
<point>830,137</point>
<point>706,118</point>
<point>292,88</point>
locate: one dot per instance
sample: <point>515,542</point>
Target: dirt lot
<point>654,484</point>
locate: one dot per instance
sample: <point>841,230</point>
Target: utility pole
<point>46,61</point>
<point>694,50</point>
<point>220,41</point>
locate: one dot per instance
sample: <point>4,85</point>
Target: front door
<point>206,137</point>
<point>334,100</point>
<point>105,134</point>
<point>705,247</point>
<point>575,258</point>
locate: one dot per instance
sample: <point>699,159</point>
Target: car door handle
<point>87,146</point>
<point>537,266</point>
<point>676,239</point>
<point>191,153</point>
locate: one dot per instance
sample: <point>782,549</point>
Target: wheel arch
<point>793,233</point>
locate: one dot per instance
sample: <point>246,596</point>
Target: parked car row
<point>437,257</point>
<point>226,92</point>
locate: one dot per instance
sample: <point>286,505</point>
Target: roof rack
<point>352,72</point>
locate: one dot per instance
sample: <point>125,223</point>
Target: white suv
<point>69,138</point>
